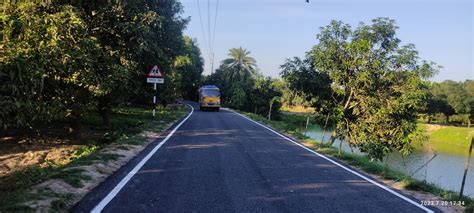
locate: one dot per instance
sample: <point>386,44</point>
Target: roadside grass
<point>127,123</point>
<point>298,109</point>
<point>452,135</point>
<point>292,128</point>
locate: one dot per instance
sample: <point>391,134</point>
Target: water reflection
<point>445,170</point>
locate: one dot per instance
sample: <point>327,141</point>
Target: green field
<point>452,135</point>
<point>448,139</point>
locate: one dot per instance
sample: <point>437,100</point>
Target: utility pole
<point>466,167</point>
<point>212,63</point>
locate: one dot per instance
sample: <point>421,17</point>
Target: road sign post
<point>154,77</point>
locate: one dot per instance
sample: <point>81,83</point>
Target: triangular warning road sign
<point>155,72</point>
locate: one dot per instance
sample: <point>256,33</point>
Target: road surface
<point>224,162</point>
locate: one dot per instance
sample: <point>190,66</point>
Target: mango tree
<point>381,86</point>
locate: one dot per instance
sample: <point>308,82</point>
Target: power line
<point>214,35</point>
<point>209,31</point>
<point>209,40</point>
<point>202,26</point>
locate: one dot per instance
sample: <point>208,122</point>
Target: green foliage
<point>239,98</point>
<point>266,90</point>
<point>46,65</point>
<point>189,65</point>
<point>304,81</point>
<point>62,56</point>
<point>291,98</point>
<point>438,104</point>
<point>242,87</point>
<point>452,98</point>
<point>377,86</point>
<point>240,65</point>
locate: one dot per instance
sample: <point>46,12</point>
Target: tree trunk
<point>340,147</point>
<point>75,120</point>
<point>324,128</point>
<point>447,119</point>
<point>106,118</point>
<point>105,110</point>
<point>347,138</point>
<point>270,110</point>
<point>333,137</point>
<point>164,103</point>
<point>346,106</point>
<point>306,128</point>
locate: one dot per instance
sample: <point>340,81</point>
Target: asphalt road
<point>223,162</point>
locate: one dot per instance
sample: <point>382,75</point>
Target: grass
<point>127,123</point>
<point>449,139</point>
<point>452,135</point>
<point>298,109</point>
<point>292,127</point>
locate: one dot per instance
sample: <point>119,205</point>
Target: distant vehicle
<point>209,97</point>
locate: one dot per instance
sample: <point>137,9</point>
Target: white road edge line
<point>338,164</point>
<point>129,176</point>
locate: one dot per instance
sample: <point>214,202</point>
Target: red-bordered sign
<point>155,72</point>
<point>155,75</point>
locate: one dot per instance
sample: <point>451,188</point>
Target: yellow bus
<point>209,97</point>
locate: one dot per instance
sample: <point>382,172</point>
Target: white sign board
<point>155,80</point>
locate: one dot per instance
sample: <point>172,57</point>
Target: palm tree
<point>240,64</point>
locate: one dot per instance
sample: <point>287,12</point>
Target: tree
<point>456,95</point>
<point>469,88</point>
<point>240,65</point>
<point>190,66</point>
<point>263,92</point>
<point>307,82</point>
<point>134,35</point>
<point>439,105</point>
<point>62,56</point>
<point>236,78</point>
<point>380,86</point>
<point>48,69</point>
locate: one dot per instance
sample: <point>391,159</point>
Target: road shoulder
<point>59,194</point>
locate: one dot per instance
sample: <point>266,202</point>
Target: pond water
<point>445,170</point>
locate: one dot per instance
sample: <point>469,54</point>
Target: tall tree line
<point>451,98</point>
<point>63,56</point>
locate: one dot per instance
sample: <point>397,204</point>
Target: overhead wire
<point>209,27</point>
<point>209,40</point>
<point>202,26</point>
<point>209,31</point>
<point>214,35</point>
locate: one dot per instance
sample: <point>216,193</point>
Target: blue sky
<point>274,30</point>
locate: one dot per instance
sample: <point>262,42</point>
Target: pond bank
<point>440,160</point>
